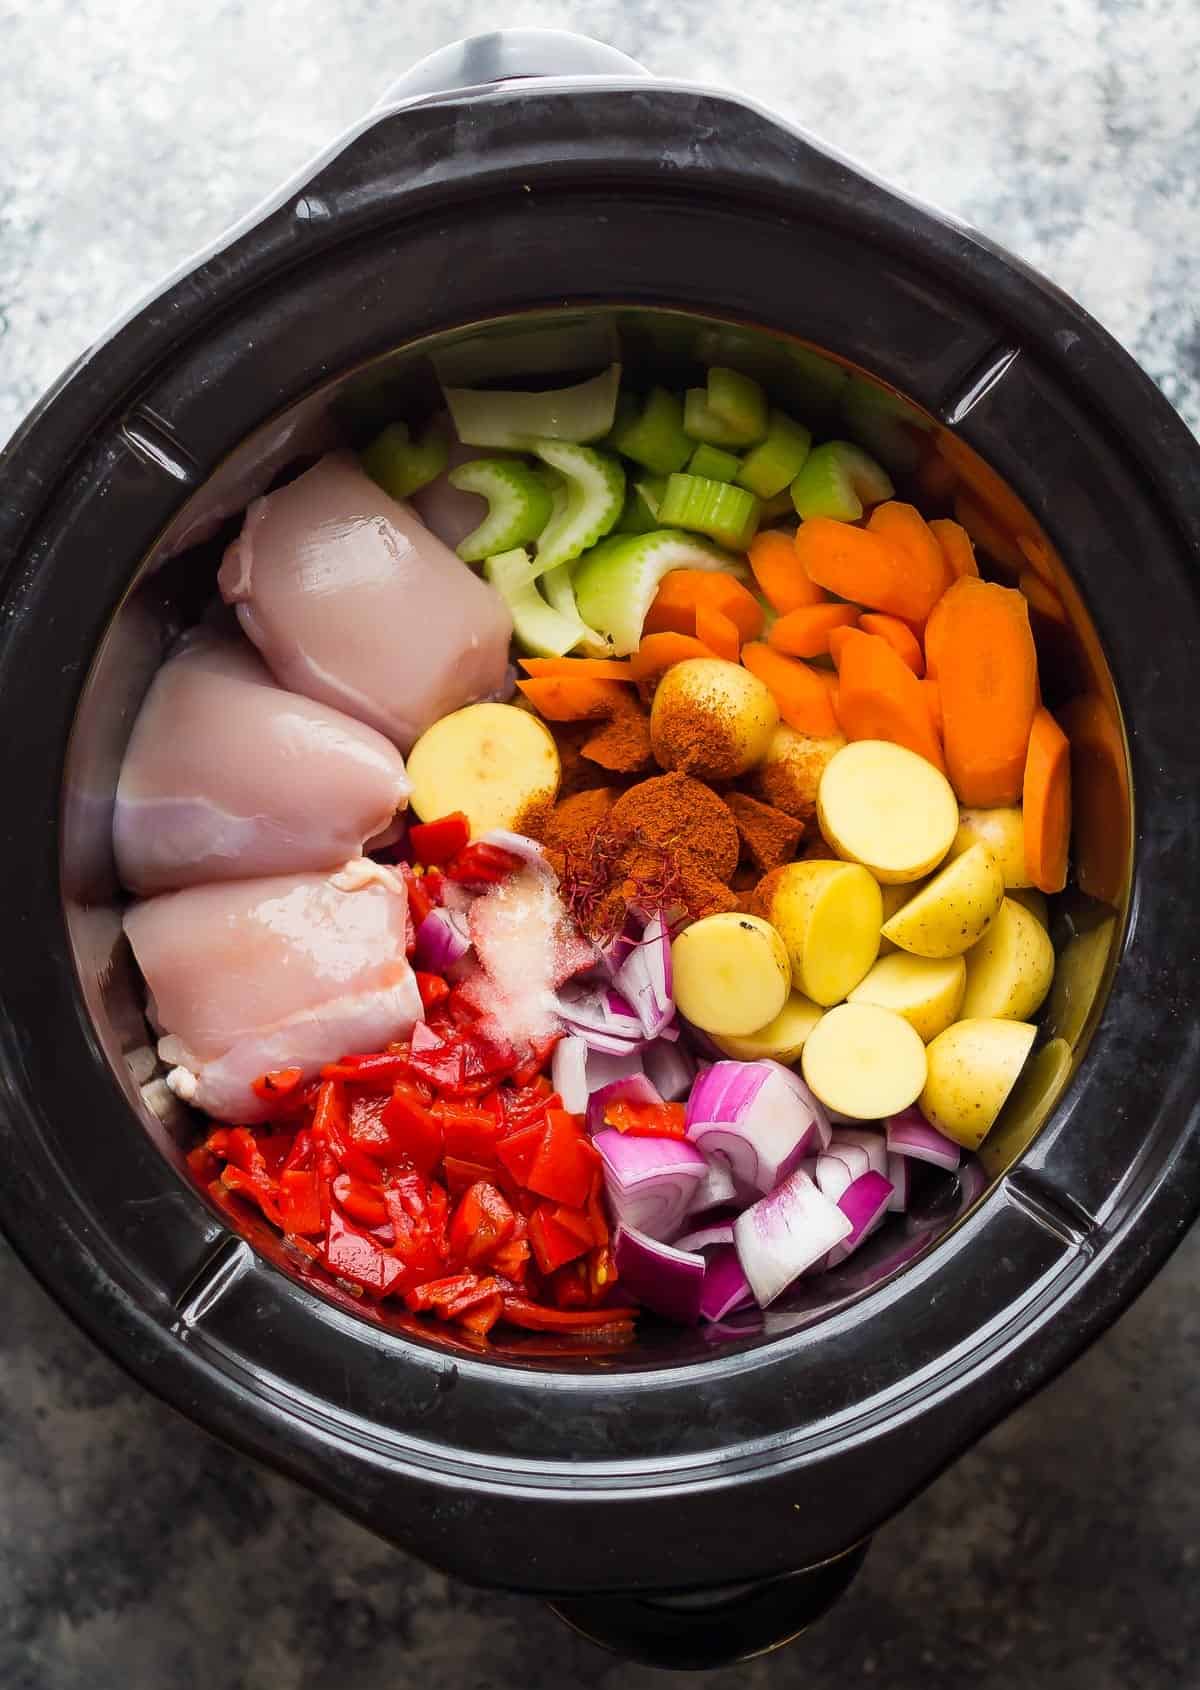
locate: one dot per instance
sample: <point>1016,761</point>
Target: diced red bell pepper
<point>300,1207</point>
<point>538,1059</point>
<point>441,1293</point>
<point>414,1130</point>
<point>256,1188</point>
<point>576,1222</point>
<point>441,1067</point>
<point>483,1315</point>
<point>331,1133</point>
<point>432,987</point>
<point>362,1202</point>
<point>239,1146</point>
<point>482,1222</point>
<point>438,841</point>
<point>569,1287</point>
<point>380,1070</point>
<point>516,1150</point>
<point>552,1244</point>
<point>468,1133</point>
<point>420,904</point>
<point>520,1311</point>
<point>647,1120</point>
<point>460,1174</point>
<point>481,864</point>
<point>562,1167</point>
<point>526,1103</point>
<point>419,1232</point>
<point>512,1259</point>
<point>276,1085</point>
<point>353,1254</point>
<point>203,1164</point>
<point>301,1153</point>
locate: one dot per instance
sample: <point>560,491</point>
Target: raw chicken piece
<point>445,511</point>
<point>351,600</point>
<point>228,777</point>
<point>291,972</point>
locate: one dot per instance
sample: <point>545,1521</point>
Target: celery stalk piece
<point>519,505</point>
<point>626,411</point>
<point>838,480</point>
<point>729,515</point>
<point>402,466</point>
<point>588,505</point>
<point>739,402</point>
<point>616,582</point>
<point>780,505</point>
<point>655,438</point>
<point>640,512</point>
<point>703,424</point>
<point>710,461</point>
<point>491,417</point>
<point>539,628</point>
<point>773,466</point>
<point>559,592</point>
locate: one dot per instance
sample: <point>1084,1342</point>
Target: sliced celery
<point>587,507</point>
<point>739,402</point>
<point>402,466</point>
<point>539,628</point>
<point>715,464</point>
<point>626,411</point>
<point>726,514</point>
<point>773,466</point>
<point>640,512</point>
<point>655,437</point>
<point>703,424</point>
<point>519,505</point>
<point>616,582</point>
<point>560,595</point>
<point>491,417</point>
<point>838,480</point>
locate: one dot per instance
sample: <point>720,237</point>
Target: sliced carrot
<point>906,528</point>
<point>837,640</point>
<point>1099,796</point>
<point>866,568</point>
<point>780,573</point>
<point>879,697</point>
<point>1046,803</point>
<point>578,668</point>
<point>805,632</point>
<point>956,546</point>
<point>980,648</point>
<point>659,651</point>
<point>718,632</point>
<point>562,698</point>
<point>898,635</point>
<point>933,697</point>
<point>802,698</point>
<point>681,593</point>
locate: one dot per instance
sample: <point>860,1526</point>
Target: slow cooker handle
<point>712,1628</point>
<point>504,55</point>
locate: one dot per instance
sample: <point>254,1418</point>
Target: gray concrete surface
<point>1061,1554</point>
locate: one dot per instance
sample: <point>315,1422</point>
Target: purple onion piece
<point>442,940</point>
<point>864,1203</point>
<point>784,1233</point>
<point>726,1287</point>
<point>759,1118</point>
<point>649,1182</point>
<point>718,1232</point>
<point>898,1173</point>
<point>568,1072</point>
<point>635,1088</point>
<point>838,1167</point>
<point>872,1143</point>
<point>670,1068</point>
<point>716,1188</point>
<point>644,977</point>
<point>909,1134</point>
<point>662,1277</point>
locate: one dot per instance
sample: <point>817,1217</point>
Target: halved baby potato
<point>828,915</point>
<point>973,1066</point>
<point>495,763</point>
<point>895,898</point>
<point>1009,971</point>
<point>926,991</point>
<point>954,910</point>
<point>781,1040</point>
<point>1032,900</point>
<point>864,1062</point>
<point>1003,831</point>
<point>883,806</point>
<point>731,973</point>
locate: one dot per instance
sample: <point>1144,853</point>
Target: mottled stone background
<point>1062,1553</point>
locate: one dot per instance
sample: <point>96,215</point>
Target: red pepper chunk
<point>481,864</point>
<point>414,1131</point>
<point>481,1224</point>
<point>468,1133</point>
<point>300,1202</point>
<point>379,1070</point>
<point>354,1255</point>
<point>432,987</point>
<point>437,841</point>
<point>614,1322</point>
<point>562,1167</point>
<point>277,1084</point>
<point>517,1150</point>
<point>552,1244</point>
<point>647,1120</point>
<point>362,1202</point>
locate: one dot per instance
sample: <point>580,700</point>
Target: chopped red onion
<point>649,1182</point>
<point>715,1188</point>
<point>670,1032</point>
<point>517,845</point>
<point>568,1072</point>
<point>634,1088</point>
<point>424,1038</point>
<point>669,1068</point>
<point>757,1117</point>
<point>725,1285</point>
<point>839,1167</point>
<point>784,1233</point>
<point>898,1173</point>
<point>645,977</point>
<point>909,1134</point>
<point>661,1276</point>
<point>617,949</point>
<point>589,1015</point>
<point>872,1142</point>
<point>442,940</point>
<point>864,1203</point>
<point>603,1068</point>
<point>719,1232</point>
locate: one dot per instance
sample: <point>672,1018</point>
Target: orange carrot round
<point>718,632</point>
<point>805,632</point>
<point>1046,803</point>
<point>802,698</point>
<point>867,568</point>
<point>906,528</point>
<point>579,668</point>
<point>956,546</point>
<point>898,635</point>
<point>780,574</point>
<point>681,592</point>
<point>980,649</point>
<point>658,652</point>
<point>564,698</point>
<point>879,697</point>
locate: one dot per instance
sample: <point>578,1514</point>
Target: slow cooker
<point>523,203</point>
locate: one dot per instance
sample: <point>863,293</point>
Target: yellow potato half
<point>895,898</point>
<point>711,719</point>
<point>781,1040</point>
<point>790,773</point>
<point>954,911</point>
<point>495,763</point>
<point>1009,971</point>
<point>926,991</point>
<point>731,973</point>
<point>828,915</point>
<point>1003,832</point>
<point>1032,900</point>
<point>972,1068</point>
<point>885,807</point>
<point>864,1061</point>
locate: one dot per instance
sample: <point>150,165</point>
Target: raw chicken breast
<point>351,600</point>
<point>289,972</point>
<point>228,777</point>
